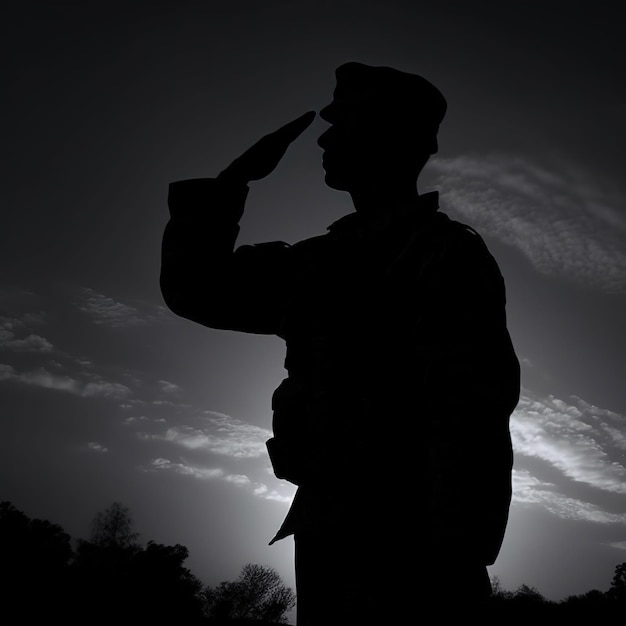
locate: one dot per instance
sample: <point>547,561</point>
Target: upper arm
<point>243,290</point>
<point>202,278</point>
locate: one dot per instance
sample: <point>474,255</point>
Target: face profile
<point>384,124</point>
<point>345,159</point>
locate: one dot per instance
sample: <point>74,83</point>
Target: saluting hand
<point>263,157</point>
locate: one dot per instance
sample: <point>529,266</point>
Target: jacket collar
<point>354,224</point>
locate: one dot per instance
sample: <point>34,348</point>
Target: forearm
<point>198,243</point>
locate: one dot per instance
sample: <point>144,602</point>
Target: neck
<point>372,200</point>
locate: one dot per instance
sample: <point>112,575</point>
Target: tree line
<point>112,577</point>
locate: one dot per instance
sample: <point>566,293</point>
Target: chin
<point>335,181</point>
<point>335,184</point>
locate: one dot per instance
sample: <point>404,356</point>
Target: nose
<point>326,112</point>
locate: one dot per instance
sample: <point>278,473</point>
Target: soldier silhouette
<point>393,419</point>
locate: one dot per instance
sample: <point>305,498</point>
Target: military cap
<point>387,96</point>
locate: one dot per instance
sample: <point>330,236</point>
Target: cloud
<point>186,470</point>
<point>106,311</point>
<point>97,447</point>
<point>6,372</point>
<point>529,490</point>
<point>44,378</point>
<point>11,326</point>
<point>109,312</point>
<point>583,442</point>
<point>261,490</point>
<point>47,380</point>
<point>220,434</point>
<point>31,343</point>
<point>136,418</point>
<point>239,480</point>
<point>169,387</point>
<point>25,320</point>
<point>105,389</point>
<point>565,224</point>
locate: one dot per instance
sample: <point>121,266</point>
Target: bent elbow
<point>175,297</point>
<point>187,302</point>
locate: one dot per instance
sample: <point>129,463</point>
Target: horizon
<point>140,541</point>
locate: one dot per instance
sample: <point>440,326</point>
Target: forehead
<point>350,105</point>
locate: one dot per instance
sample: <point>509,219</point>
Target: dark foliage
<point>526,602</point>
<point>112,578</point>
<point>258,594</point>
<point>114,527</point>
<point>34,566</point>
<point>139,583</point>
<point>618,585</point>
<point>114,573</point>
<point>109,579</point>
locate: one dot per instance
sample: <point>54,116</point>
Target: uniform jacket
<point>401,375</point>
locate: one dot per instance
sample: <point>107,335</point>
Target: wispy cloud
<point>583,442</point>
<point>583,445</point>
<point>185,468</point>
<point>97,447</point>
<point>105,389</point>
<point>239,444</point>
<point>563,222</point>
<point>219,434</point>
<point>133,419</point>
<point>106,311</point>
<point>169,387</point>
<point>41,377</point>
<point>528,489</point>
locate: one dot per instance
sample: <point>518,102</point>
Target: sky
<point>105,395</point>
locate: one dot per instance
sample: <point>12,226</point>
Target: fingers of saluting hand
<point>262,158</point>
<point>292,130</point>
<point>278,141</point>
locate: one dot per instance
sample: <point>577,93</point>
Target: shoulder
<point>460,238</point>
<point>462,255</point>
<point>455,229</point>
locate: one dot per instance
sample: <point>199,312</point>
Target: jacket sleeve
<point>203,277</point>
